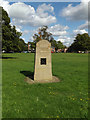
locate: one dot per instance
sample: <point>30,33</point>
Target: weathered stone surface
<point>43,67</point>
<point>30,81</point>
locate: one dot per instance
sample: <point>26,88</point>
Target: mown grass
<point>66,99</point>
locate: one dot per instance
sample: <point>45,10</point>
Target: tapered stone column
<point>43,66</point>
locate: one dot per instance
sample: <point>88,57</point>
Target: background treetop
<point>44,34</point>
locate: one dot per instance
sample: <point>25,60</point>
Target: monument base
<point>30,81</point>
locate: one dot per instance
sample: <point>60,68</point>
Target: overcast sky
<point>64,19</point>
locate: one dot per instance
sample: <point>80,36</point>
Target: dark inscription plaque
<point>43,61</point>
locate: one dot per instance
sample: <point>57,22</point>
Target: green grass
<point>66,99</point>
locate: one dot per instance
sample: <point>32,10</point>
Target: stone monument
<point>43,66</point>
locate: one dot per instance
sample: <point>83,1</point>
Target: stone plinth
<point>43,67</point>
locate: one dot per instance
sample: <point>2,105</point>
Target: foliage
<point>57,44</point>
<point>81,43</point>
<point>11,40</point>
<point>66,99</point>
<point>43,34</point>
<point>32,45</point>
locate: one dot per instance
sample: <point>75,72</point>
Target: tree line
<point>81,43</point>
<point>11,40</point>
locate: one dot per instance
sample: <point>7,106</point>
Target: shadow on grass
<point>28,74</point>
<point>7,57</point>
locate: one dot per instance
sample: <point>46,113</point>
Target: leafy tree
<point>57,44</point>
<point>81,43</point>
<point>6,34</point>
<point>54,44</point>
<point>5,18</point>
<point>60,45</point>
<point>32,45</point>
<point>22,45</point>
<point>42,34</point>
<point>11,40</point>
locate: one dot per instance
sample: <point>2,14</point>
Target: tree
<point>57,44</point>
<point>81,43</point>
<point>6,32</point>
<point>60,45</point>
<point>32,45</point>
<point>11,40</point>
<point>54,44</point>
<point>42,34</point>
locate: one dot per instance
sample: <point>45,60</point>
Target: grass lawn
<point>66,99</point>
